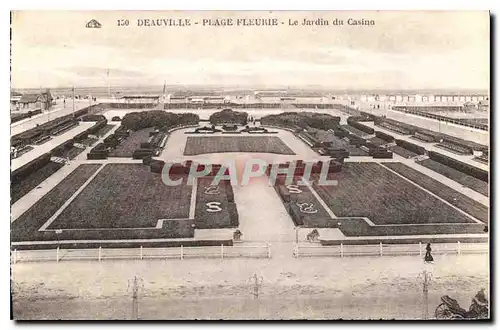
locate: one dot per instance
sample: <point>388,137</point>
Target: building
<point>14,100</point>
<point>292,97</point>
<point>36,101</point>
<point>207,99</point>
<point>147,99</point>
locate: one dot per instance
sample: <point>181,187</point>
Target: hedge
<point>459,166</point>
<point>230,128</point>
<point>142,153</point>
<point>411,146</point>
<point>249,129</point>
<point>93,118</point>
<point>25,170</point>
<point>25,115</point>
<point>157,166</point>
<point>124,244</point>
<point>341,133</point>
<point>382,154</point>
<point>360,126</point>
<point>228,116</point>
<point>147,160</point>
<point>207,129</point>
<point>157,118</point>
<point>302,120</point>
<point>384,136</point>
<point>337,153</point>
<point>35,133</point>
<point>356,140</point>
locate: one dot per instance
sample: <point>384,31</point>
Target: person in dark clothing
<point>428,256</point>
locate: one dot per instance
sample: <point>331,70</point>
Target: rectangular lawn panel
<point>25,228</point>
<point>125,196</point>
<point>460,177</point>
<point>196,145</point>
<point>467,204</point>
<point>353,226</point>
<point>369,190</point>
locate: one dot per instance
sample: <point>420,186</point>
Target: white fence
<point>380,249</point>
<point>181,253</point>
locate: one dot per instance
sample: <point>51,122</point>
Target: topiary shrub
<point>228,116</point>
<point>157,118</point>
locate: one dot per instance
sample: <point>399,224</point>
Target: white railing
<point>343,250</point>
<point>181,253</point>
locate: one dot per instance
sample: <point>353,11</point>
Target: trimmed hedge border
<point>459,166</point>
<point>25,115</point>
<point>411,147</point>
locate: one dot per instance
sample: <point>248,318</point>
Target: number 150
<point>123,22</point>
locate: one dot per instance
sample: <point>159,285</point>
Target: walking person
<point>428,256</point>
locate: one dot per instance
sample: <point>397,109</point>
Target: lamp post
<point>134,285</point>
<point>256,281</point>
<point>426,276</point>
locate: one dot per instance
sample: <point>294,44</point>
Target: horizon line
<point>256,87</point>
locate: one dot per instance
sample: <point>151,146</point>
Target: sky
<point>402,50</point>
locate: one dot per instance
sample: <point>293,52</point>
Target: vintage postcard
<point>250,165</point>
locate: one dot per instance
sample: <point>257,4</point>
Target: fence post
<point>222,251</point>
<point>141,252</point>
<point>269,250</point>
<point>420,248</point>
<point>341,250</point>
<point>380,248</point>
<point>458,247</point>
<point>182,252</point>
<point>99,255</point>
<point>297,250</point>
<point>57,254</point>
<point>15,255</point>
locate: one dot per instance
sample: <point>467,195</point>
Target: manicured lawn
<point>467,204</point>
<point>125,196</point>
<point>356,226</point>
<point>123,201</point>
<point>460,177</point>
<point>25,228</point>
<point>215,144</point>
<point>370,190</point>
